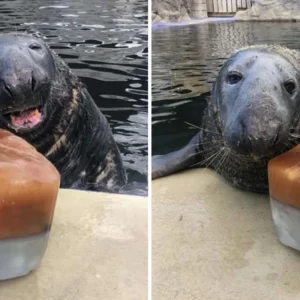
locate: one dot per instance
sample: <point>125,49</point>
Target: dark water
<point>185,62</point>
<point>105,43</point>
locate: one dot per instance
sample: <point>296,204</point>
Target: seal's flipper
<point>163,165</point>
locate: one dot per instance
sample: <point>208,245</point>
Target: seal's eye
<point>234,77</point>
<point>290,86</point>
<point>35,46</point>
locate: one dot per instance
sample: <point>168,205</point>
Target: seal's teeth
<point>35,112</point>
<point>31,111</point>
<point>14,114</point>
<point>28,118</point>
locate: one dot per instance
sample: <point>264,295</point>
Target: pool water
<point>185,62</point>
<point>105,44</point>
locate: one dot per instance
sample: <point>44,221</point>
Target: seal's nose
<point>16,88</point>
<point>27,71</point>
<point>252,137</point>
<point>261,143</point>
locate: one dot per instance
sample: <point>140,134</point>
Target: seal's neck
<point>76,137</point>
<point>83,148</point>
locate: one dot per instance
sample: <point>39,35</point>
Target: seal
<point>252,116</point>
<point>43,102</point>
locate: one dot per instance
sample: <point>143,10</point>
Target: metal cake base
<point>19,256</point>
<point>287,223</point>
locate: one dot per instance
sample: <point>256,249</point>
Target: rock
<point>176,10</point>
<point>271,10</point>
<point>157,18</point>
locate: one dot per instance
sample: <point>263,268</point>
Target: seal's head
<point>27,71</point>
<point>256,100</point>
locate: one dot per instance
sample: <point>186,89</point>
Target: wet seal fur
<point>253,115</point>
<point>72,133</point>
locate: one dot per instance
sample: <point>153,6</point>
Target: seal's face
<point>26,73</point>
<point>257,94</point>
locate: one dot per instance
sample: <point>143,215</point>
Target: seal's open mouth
<point>24,119</point>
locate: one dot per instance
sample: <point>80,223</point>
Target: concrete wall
<point>272,10</point>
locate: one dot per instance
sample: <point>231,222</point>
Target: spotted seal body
<point>253,115</point>
<point>42,101</point>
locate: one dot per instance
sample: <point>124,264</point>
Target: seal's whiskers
<point>293,135</point>
<point>212,157</point>
<point>200,128</point>
<point>208,143</point>
<point>202,151</point>
<point>218,155</point>
<point>223,159</point>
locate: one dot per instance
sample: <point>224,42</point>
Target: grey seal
<point>252,116</point>
<point>42,101</point>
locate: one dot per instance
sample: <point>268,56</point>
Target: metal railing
<point>227,7</point>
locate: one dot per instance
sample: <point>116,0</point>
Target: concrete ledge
<point>212,241</point>
<point>97,250</point>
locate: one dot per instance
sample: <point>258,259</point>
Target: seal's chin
<point>253,156</point>
<point>249,156</point>
<point>25,119</point>
<point>258,157</point>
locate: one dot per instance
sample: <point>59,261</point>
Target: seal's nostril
<point>8,91</point>
<point>33,83</point>
<point>243,135</point>
<point>276,139</point>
